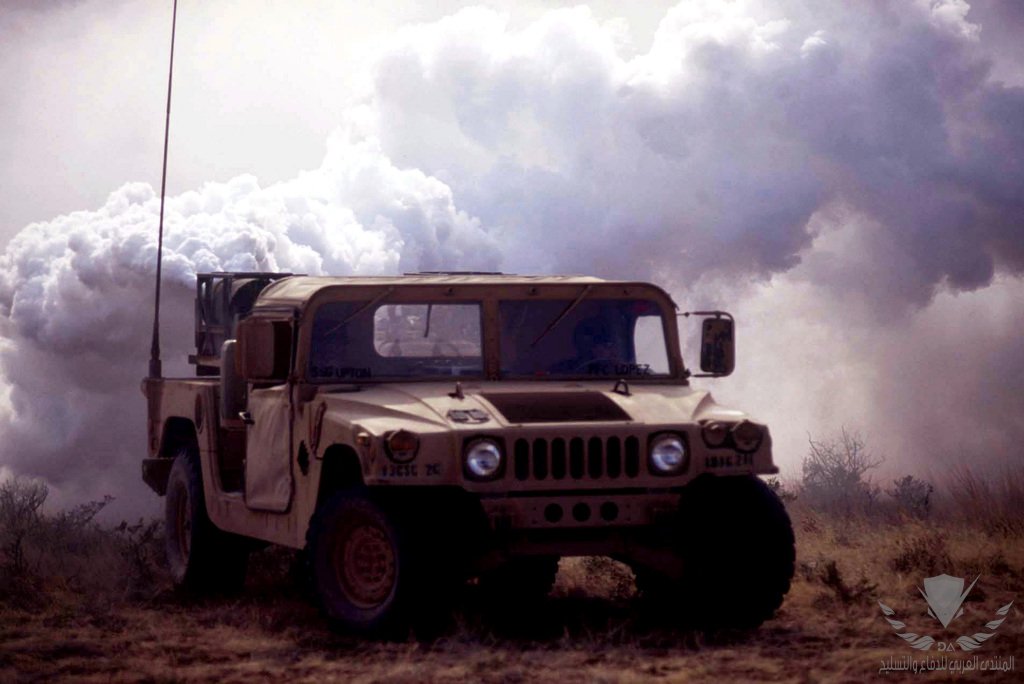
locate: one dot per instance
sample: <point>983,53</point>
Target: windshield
<point>589,338</point>
<point>354,342</point>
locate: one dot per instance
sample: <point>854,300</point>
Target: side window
<point>649,343</point>
<point>427,330</point>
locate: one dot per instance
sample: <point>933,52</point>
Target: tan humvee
<point>412,432</point>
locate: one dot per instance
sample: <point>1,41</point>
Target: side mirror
<point>717,346</point>
<point>264,349</point>
<point>717,343</point>
<point>232,386</point>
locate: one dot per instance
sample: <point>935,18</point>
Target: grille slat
<point>614,461</point>
<point>595,458</point>
<point>558,459</point>
<point>522,459</point>
<point>540,459</point>
<point>578,458</point>
<point>632,457</point>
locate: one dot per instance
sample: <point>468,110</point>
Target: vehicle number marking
<point>433,469</point>
<point>728,460</point>
<point>399,470</point>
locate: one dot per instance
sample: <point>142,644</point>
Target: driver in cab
<point>596,351</point>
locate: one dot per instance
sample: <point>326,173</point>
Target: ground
<point>591,629</point>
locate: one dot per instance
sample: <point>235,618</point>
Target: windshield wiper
<point>561,316</point>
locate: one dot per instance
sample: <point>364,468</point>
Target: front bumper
<point>596,509</point>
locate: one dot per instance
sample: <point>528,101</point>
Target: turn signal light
<point>401,446</point>
<point>747,435</point>
<point>715,433</point>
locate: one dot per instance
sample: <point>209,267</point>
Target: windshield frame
<point>488,296</point>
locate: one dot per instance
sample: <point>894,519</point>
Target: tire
<point>362,572</point>
<point>202,558</point>
<point>736,544</point>
<point>523,581</point>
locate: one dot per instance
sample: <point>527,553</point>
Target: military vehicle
<point>414,433</point>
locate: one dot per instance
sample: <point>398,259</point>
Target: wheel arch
<point>340,469</point>
<point>178,434</point>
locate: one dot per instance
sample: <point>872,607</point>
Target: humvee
<point>411,434</point>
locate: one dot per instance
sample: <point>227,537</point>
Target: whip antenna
<point>155,369</point>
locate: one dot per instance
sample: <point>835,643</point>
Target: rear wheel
<point>736,545</point>
<point>201,557</point>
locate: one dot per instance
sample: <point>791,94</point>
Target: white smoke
<point>837,174</point>
<point>76,294</point>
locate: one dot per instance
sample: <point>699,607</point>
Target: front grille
<point>576,458</point>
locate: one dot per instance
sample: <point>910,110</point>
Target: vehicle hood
<point>430,407</point>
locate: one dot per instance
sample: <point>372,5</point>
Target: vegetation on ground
<point>89,602</point>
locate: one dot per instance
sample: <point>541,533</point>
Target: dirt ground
<point>591,629</point>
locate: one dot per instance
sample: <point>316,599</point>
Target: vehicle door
<point>269,482</point>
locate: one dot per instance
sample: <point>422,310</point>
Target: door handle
<point>246,417</point>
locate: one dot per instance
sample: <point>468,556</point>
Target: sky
<point>846,178</point>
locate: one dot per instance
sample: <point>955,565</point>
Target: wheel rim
<point>183,524</point>
<point>364,562</point>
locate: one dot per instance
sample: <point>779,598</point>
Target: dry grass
<point>115,624</point>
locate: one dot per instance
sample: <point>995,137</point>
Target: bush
<point>994,502</point>
<point>43,554</point>
<point>834,475</point>
<point>925,554</point>
<point>847,593</point>
<point>782,490</point>
<point>912,496</point>
<point>20,504</point>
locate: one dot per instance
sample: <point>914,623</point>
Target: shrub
<point>994,502</point>
<point>20,516</point>
<point>834,475</point>
<point>921,554</point>
<point>43,554</point>
<point>847,593</point>
<point>782,490</point>
<point>912,496</point>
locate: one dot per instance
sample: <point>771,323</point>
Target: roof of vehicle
<point>295,291</point>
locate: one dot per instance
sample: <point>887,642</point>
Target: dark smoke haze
<point>847,178</point>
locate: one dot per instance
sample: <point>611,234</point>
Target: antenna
<point>155,367</point>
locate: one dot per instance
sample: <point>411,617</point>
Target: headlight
<point>668,455</point>
<point>483,459</point>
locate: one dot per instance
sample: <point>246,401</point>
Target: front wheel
<point>736,546</point>
<point>360,566</point>
<point>201,557</point>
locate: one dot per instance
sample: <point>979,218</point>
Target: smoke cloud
<point>847,178</point>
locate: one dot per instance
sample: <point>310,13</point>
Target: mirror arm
<point>716,314</point>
